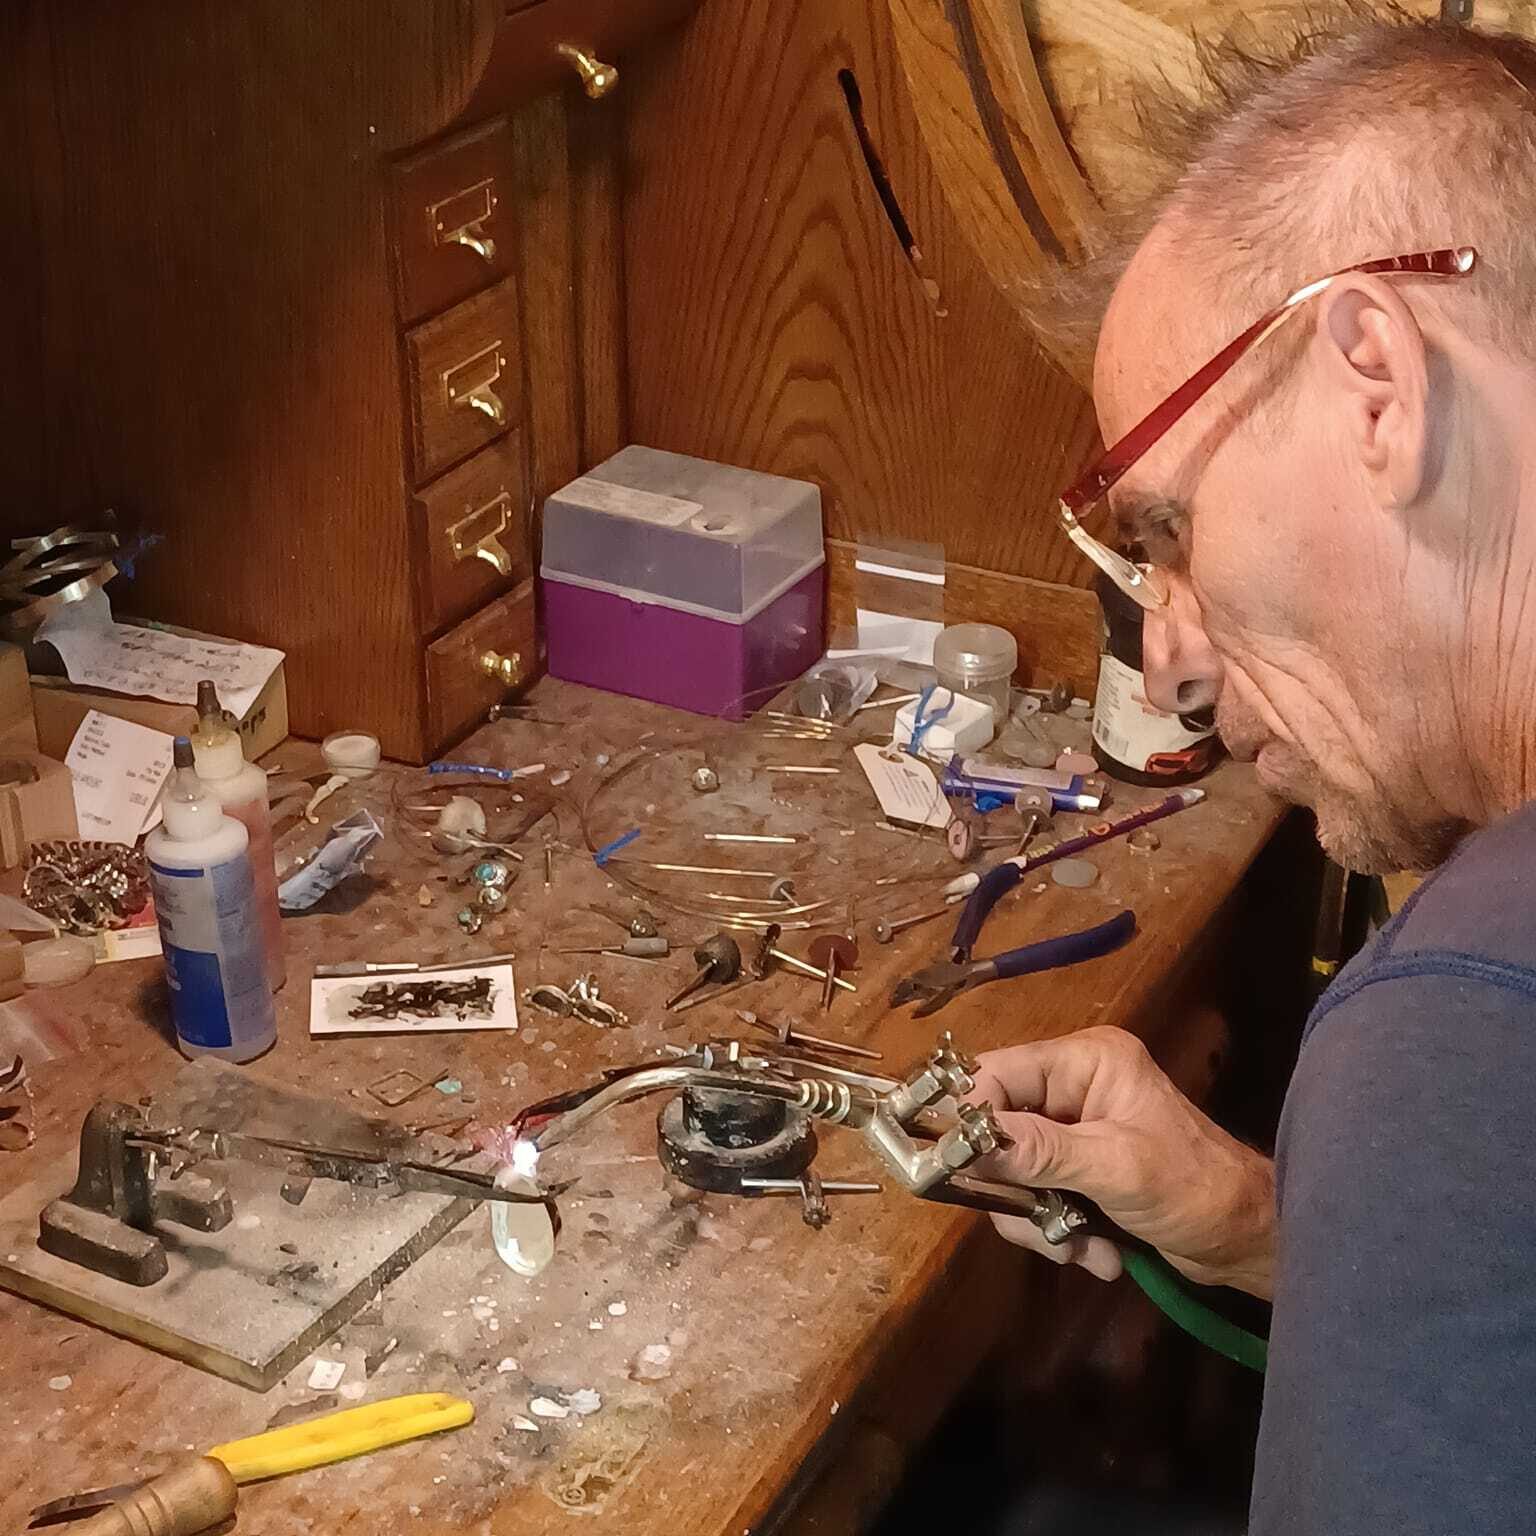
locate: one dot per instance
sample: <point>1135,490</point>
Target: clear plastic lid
<point>687,533</point>
<point>975,653</point>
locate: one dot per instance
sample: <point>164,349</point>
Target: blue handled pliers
<point>935,985</point>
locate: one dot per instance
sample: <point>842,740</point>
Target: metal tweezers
<point>186,1146</point>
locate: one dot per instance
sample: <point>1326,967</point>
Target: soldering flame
<point>525,1159</point>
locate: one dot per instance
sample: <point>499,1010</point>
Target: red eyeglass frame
<point>1117,460</point>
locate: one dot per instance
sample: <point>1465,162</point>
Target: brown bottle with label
<point>1132,740</point>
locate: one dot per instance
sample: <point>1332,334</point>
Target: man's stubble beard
<point>1371,836</point>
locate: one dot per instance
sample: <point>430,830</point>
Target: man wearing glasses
<point>1334,523</point>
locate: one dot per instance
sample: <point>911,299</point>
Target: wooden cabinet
<point>322,299</point>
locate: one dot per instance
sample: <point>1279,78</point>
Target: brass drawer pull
<point>472,383</point>
<point>477,535</point>
<point>507,670</point>
<point>461,219</point>
<point>597,78</point>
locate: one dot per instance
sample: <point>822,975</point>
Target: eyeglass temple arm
<point>1141,585</point>
<point>1449,262</point>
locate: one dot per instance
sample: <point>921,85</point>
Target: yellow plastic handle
<point>336,1436</point>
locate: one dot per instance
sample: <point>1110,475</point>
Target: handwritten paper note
<point>155,664</point>
<point>119,769</point>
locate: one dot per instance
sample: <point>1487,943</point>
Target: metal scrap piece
<point>582,999</point>
<point>85,887</point>
<point>397,1088</point>
<point>15,1107</point>
<point>430,999</point>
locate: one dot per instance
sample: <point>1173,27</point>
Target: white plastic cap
<point>217,754</point>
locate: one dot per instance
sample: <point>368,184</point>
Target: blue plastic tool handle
<point>995,884</point>
<point>922,720</point>
<point>607,851</point>
<point>1069,949</point>
<point>481,770</point>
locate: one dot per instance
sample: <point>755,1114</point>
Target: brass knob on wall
<point>597,78</point>
<point>507,670</point>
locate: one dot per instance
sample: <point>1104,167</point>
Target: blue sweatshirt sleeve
<point>1401,1392</point>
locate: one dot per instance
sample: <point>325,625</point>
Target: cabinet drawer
<point>464,374</point>
<point>460,684</point>
<point>452,211</point>
<point>472,532</point>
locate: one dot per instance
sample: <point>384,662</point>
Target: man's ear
<point>1372,353</point>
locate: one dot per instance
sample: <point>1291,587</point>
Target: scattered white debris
<point>450,1314</point>
<point>506,1367</point>
<point>437,1480</point>
<point>494,1326</point>
<point>247,1223</point>
<point>526,1425</point>
<point>653,1363</point>
<point>617,1308</point>
<point>60,1383</point>
<point>481,1314</point>
<point>548,1408</point>
<point>836,1406</point>
<point>563,777</point>
<point>583,1401</point>
<point>352,1391</point>
<point>595,1326</point>
<point>327,1374</point>
<point>482,1301</point>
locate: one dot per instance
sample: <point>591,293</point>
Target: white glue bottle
<point>205,899</point>
<point>241,788</point>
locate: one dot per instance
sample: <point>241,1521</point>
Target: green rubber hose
<point>1165,1288</point>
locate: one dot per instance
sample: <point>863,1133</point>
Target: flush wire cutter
<point>936,985</point>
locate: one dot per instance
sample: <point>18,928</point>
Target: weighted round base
<point>691,1156</point>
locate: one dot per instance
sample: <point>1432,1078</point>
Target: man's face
<point>1288,602</point>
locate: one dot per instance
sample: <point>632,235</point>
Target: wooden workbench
<point>787,1345</point>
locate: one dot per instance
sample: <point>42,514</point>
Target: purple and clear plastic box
<point>682,581</point>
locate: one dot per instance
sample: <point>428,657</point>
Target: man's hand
<point>1092,1112</point>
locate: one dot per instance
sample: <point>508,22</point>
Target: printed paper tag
<point>626,501</point>
<point>905,787</point>
<point>136,943</point>
<point>118,768</point>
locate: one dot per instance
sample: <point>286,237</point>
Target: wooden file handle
<point>187,1499</point>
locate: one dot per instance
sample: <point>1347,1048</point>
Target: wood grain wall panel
<point>546,237</point>
<point>597,153</point>
<point>775,319</point>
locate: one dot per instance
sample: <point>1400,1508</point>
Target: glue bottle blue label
<point>214,962</point>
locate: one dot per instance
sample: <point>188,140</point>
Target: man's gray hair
<point>1365,132</point>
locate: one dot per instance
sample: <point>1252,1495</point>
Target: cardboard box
<point>18,728</point>
<point>35,812</point>
<point>60,705</point>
